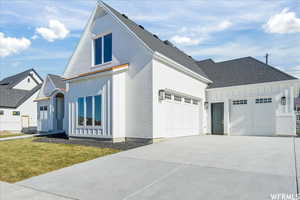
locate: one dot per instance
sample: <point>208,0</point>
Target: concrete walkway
<point>19,137</point>
<point>16,192</point>
<point>200,167</point>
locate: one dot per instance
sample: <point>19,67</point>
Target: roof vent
<point>125,16</point>
<point>141,27</point>
<point>167,42</point>
<point>155,36</point>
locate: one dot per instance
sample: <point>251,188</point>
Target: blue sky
<point>42,34</point>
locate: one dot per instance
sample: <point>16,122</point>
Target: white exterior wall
<point>282,118</point>
<point>13,123</point>
<point>90,87</point>
<point>25,85</point>
<point>128,94</point>
<point>166,77</point>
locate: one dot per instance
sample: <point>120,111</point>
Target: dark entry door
<point>217,118</point>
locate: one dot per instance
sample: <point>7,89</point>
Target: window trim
<point>263,100</point>
<point>102,45</point>
<point>240,102</point>
<point>93,126</point>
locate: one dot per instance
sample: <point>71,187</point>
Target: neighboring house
<point>51,104</point>
<point>124,82</point>
<point>297,110</point>
<point>17,106</point>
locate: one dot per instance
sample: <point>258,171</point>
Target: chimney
<point>267,58</point>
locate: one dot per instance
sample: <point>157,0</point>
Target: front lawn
<point>4,134</point>
<point>23,158</point>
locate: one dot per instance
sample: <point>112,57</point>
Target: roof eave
<point>180,67</point>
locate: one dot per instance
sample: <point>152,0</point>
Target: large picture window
<point>81,111</point>
<point>97,110</point>
<point>89,111</point>
<point>103,49</point>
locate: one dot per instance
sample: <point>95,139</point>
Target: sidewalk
<point>15,192</point>
<point>19,137</point>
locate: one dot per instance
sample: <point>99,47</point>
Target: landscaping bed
<point>60,139</point>
<point>24,158</point>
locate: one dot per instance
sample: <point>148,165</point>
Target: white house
<point>50,104</point>
<point>17,106</point>
<point>123,82</point>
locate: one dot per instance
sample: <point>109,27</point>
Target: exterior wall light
<point>161,95</point>
<point>206,105</point>
<point>283,101</point>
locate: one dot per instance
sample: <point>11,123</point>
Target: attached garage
<point>254,116</point>
<point>180,114</point>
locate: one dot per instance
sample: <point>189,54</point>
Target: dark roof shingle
<point>157,45</point>
<point>12,98</point>
<point>241,71</point>
<point>57,81</point>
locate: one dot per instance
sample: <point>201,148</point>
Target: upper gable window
<point>103,49</point>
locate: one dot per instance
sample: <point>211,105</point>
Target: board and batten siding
<point>89,87</point>
<point>280,119</point>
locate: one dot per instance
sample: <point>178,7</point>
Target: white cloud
<point>196,35</point>
<point>11,45</point>
<point>56,30</point>
<point>294,71</point>
<point>284,22</point>
<point>186,41</point>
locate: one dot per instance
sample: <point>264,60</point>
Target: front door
<point>217,118</point>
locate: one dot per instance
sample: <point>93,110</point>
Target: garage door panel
<point>179,119</point>
<point>240,119</point>
<point>252,118</point>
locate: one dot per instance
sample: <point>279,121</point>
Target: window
<point>195,102</point>
<point>107,48</point>
<point>177,98</point>
<point>97,110</point>
<point>263,100</point>
<point>89,111</point>
<point>298,109</point>
<point>239,102</point>
<point>1,112</point>
<point>28,80</point>
<point>98,51</point>
<point>45,108</point>
<point>298,117</point>
<point>103,49</point>
<point>16,113</point>
<point>168,96</point>
<point>80,111</point>
<point>187,100</point>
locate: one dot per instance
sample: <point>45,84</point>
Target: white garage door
<point>179,116</point>
<point>252,117</point>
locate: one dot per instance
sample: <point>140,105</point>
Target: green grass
<point>4,134</point>
<point>23,158</point>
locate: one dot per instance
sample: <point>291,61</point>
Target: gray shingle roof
<point>11,81</point>
<point>58,81</point>
<point>241,71</point>
<point>12,98</point>
<point>157,45</point>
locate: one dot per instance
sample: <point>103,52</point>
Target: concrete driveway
<point>199,167</point>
